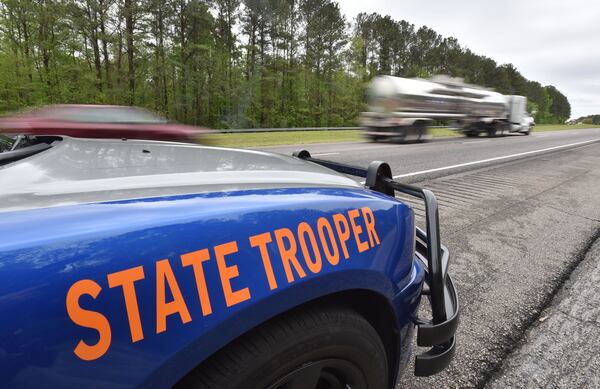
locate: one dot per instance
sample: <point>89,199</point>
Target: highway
<point>518,214</point>
<point>445,155</point>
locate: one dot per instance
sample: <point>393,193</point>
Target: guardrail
<point>249,130</point>
<point>253,130</point>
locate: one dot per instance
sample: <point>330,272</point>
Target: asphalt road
<point>515,230</point>
<point>415,162</point>
<point>517,225</point>
<point>561,350</point>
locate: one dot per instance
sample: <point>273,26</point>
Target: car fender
<point>49,258</point>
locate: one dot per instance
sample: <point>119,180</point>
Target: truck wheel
<point>401,134</point>
<point>323,347</point>
<point>472,134</point>
<point>421,131</point>
<point>371,137</point>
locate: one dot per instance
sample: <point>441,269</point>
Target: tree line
<point>230,63</point>
<point>589,119</point>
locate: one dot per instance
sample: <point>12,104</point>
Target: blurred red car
<point>98,121</point>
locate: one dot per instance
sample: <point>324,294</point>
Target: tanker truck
<point>403,108</point>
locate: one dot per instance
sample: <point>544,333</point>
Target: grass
<point>304,137</point>
<point>562,127</point>
<point>282,138</point>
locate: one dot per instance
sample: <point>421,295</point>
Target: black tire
<point>400,134</point>
<point>319,347</point>
<point>421,131</point>
<point>371,137</point>
<point>472,134</point>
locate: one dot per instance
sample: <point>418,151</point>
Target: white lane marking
<point>475,141</point>
<point>319,155</point>
<point>494,159</point>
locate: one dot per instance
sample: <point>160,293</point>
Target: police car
<point>130,263</point>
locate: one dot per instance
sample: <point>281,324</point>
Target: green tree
<point>228,63</point>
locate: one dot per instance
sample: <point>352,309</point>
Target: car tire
<point>308,348</point>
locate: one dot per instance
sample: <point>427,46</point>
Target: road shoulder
<point>515,233</point>
<point>562,349</point>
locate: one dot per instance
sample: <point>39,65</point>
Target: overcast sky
<point>552,42</point>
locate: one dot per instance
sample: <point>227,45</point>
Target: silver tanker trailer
<point>403,108</point>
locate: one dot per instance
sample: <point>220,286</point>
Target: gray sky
<point>552,42</point>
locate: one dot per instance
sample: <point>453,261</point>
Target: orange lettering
<point>370,225</point>
<point>164,309</point>
<point>195,260</point>
<point>88,319</point>
<point>229,272</point>
<point>357,229</point>
<point>261,242</point>
<point>126,279</point>
<point>344,234</point>
<point>332,257</point>
<point>305,229</point>
<point>288,255</point>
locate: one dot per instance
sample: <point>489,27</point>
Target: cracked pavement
<point>561,350</point>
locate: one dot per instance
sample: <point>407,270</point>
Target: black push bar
<point>437,333</point>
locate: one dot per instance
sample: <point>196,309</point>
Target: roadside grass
<point>281,138</point>
<point>562,127</point>
<point>304,137</point>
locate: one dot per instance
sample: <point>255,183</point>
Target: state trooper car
<point>130,263</point>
